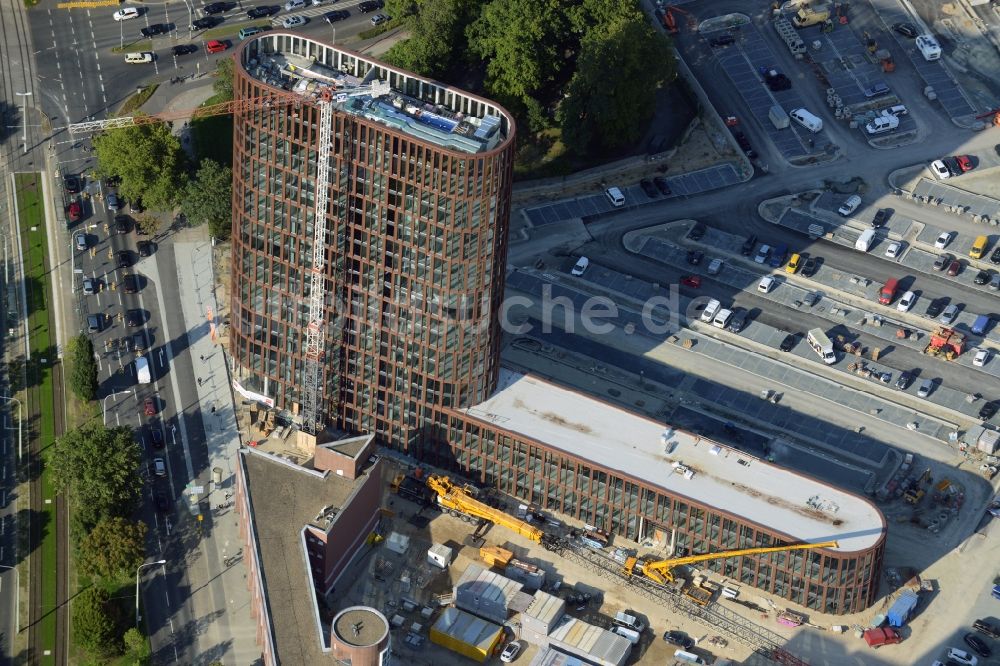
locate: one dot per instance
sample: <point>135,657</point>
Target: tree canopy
<point>223,83</point>
<point>93,624</point>
<point>208,199</point>
<point>83,376</point>
<point>113,549</point>
<point>436,40</point>
<point>147,158</point>
<point>612,96</point>
<point>100,466</point>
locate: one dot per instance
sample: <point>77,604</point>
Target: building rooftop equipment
<point>427,110</point>
<point>594,644</point>
<point>285,498</point>
<point>684,464</point>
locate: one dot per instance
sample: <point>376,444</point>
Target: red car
<point>693,281</point>
<point>215,46</point>
<point>149,407</point>
<point>75,211</point>
<point>964,163</point>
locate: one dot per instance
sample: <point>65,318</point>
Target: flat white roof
<point>684,464</point>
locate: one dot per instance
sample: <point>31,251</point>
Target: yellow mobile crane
<point>659,571</point>
<point>459,499</point>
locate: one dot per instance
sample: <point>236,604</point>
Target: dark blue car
<point>779,253</point>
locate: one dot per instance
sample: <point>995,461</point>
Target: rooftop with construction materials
<point>428,111</point>
<point>681,463</point>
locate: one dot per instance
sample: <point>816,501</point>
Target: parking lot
<point>742,62</point>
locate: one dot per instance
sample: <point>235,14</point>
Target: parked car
<point>215,8</point>
<point>810,267</point>
<point>89,286</point>
<point>978,645</point>
<point>766,284</point>
<point>648,187</point>
<point>293,21</point>
<point>943,261</point>
<point>988,411</point>
<point>942,240</point>
<point>694,257</point>
<point>662,185</point>
<point>789,342</point>
<point>124,258</point>
<point>986,627</point>
<point>162,501</point>
<point>156,437</point>
<point>130,283</point>
<point>71,182</point>
<point>510,652</point>
<point>133,318</point>
<point>679,638</point>
<point>850,205</point>
<point>995,256</point>
<point>159,467</point>
<point>935,307</point>
<point>982,277</point>
<point>125,13</point>
<point>939,169</point>
<point>751,241</point>
<point>123,224</point>
<point>904,381</point>
<point>906,301</point>
<point>154,30</point>
<point>75,211</point>
<point>379,19</point>
<point>370,6</point>
<point>697,232</point>
<point>925,388</point>
<point>964,163</point>
<point>881,217</point>
<point>738,321</point>
<point>893,250</point>
<point>949,314</point>
<point>144,247</point>
<point>580,267</point>
<point>149,407</point>
<point>216,46</point>
<point>906,30</point>
<point>954,268</point>
<point>981,358</point>
<point>80,240</point>
<point>113,202</point>
<point>762,252</point>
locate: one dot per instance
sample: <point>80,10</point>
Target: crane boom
<point>660,570</point>
<point>457,498</point>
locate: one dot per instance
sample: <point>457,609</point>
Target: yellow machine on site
<point>659,571</point>
<point>460,499</point>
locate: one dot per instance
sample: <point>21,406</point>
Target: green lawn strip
<point>231,29</point>
<point>137,100</point>
<point>34,245</point>
<point>134,47</point>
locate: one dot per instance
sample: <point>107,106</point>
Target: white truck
<point>142,370</point>
<point>821,344</point>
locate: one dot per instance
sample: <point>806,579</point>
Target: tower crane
<point>660,571</point>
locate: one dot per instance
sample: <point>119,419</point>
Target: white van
<point>623,619</point>
<point>880,124</point>
<point>616,196</point>
<point>633,636</point>
<point>808,120</point>
<point>865,240</point>
<point>138,58</point>
<point>929,47</point>
<point>712,309</point>
<point>690,657</point>
<point>821,344</point>
<point>721,320</point>
<point>294,4</point>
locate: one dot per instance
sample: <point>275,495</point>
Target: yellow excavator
<point>659,571</point>
<point>459,499</point>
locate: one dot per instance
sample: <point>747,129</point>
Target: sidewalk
<point>219,602</point>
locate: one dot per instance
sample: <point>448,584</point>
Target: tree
<point>113,549</point>
<point>209,198</point>
<point>100,466</point>
<point>149,161</point>
<point>436,35</point>
<point>522,43</point>
<point>603,112</point>
<point>223,84</point>
<point>83,377</point>
<point>137,647</point>
<point>93,624</point>
<point>148,224</point>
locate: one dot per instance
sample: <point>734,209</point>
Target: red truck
<point>888,291</point>
<point>880,636</point>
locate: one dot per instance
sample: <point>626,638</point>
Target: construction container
<point>901,609</point>
<point>529,575</point>
<point>593,644</point>
<point>988,442</point>
<point>466,634</point>
<point>541,617</point>
<point>398,543</point>
<point>485,593</point>
<point>495,556</point>
<point>439,555</point>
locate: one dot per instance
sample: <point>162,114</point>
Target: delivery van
<point>979,247</point>
<point>981,324</point>
<point>821,344</point>
<point>887,294</point>
<point>807,119</point>
<point>865,240</point>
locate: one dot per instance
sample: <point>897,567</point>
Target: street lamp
<point>24,118</point>
<point>3,397</point>
<point>104,405</point>
<point>17,594</point>
<point>147,564</point>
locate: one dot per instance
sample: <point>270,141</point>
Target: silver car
<point>949,314</point>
